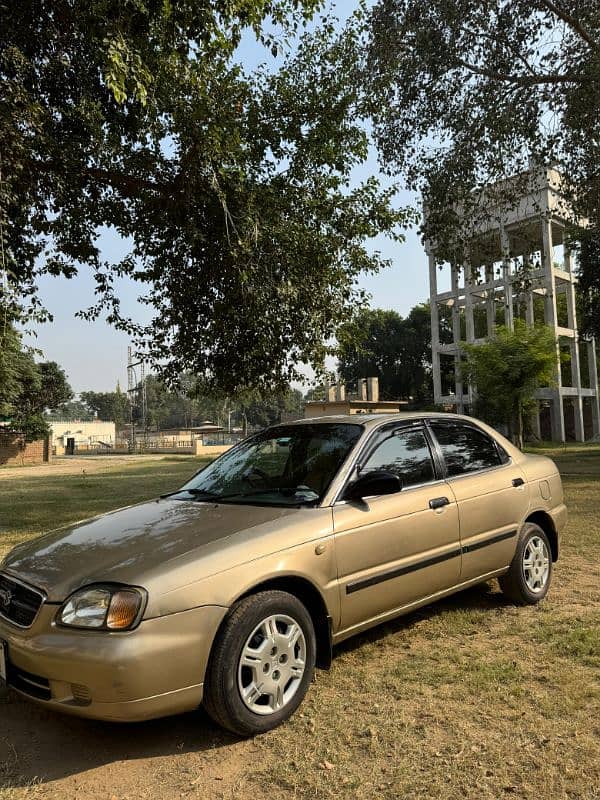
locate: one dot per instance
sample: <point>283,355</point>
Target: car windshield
<point>287,465</point>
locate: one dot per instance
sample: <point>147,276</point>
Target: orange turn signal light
<point>123,609</point>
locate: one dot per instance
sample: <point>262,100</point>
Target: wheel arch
<point>308,594</point>
<point>546,523</point>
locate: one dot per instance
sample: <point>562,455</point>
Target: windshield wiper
<point>203,492</point>
<point>287,491</point>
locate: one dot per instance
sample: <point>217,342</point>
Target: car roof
<point>372,420</point>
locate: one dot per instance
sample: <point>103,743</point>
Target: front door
<point>396,549</point>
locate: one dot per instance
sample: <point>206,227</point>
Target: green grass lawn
<point>470,698</point>
<point>573,458</point>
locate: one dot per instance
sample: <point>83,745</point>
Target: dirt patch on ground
<point>46,755</point>
<point>77,465</point>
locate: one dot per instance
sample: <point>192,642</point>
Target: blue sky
<point>94,355</point>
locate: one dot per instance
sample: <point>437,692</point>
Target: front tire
<point>262,663</point>
<point>530,574</point>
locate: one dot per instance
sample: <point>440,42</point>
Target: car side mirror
<point>378,482</point>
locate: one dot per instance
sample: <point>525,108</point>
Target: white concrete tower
<point>516,222</point>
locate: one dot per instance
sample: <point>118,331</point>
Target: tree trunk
<point>518,439</point>
<point>515,426</point>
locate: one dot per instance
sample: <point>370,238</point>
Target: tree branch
<point>519,80</point>
<point>571,21</point>
<point>493,37</point>
<point>126,184</point>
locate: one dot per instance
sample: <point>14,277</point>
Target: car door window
<point>465,448</point>
<point>405,453</point>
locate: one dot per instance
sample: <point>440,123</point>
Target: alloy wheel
<point>536,564</point>
<point>272,664</point>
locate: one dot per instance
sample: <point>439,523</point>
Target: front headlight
<point>112,608</point>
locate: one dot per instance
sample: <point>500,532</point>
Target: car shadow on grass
<point>40,746</point>
<point>471,604</point>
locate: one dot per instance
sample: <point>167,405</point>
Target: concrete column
<point>373,389</point>
<point>557,418</point>
<point>593,367</point>
<point>529,312</point>
<point>490,305</point>
<point>575,362</point>
<point>547,261</point>
<point>435,330</point>
<point>437,374</point>
<point>469,320</point>
<point>571,298</point>
<point>455,272</point>
<point>557,412</point>
<point>579,426</point>
<point>508,289</point>
<point>458,385</point>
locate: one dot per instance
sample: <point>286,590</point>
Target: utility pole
<point>136,394</point>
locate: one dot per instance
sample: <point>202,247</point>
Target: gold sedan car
<point>229,591</point>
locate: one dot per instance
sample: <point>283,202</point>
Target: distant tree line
<point>380,343</point>
<point>34,393</point>
<point>187,407</point>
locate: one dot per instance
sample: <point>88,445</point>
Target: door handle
<point>518,482</point>
<point>439,502</point>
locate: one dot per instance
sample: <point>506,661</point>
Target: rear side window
<point>406,454</point>
<point>465,449</point>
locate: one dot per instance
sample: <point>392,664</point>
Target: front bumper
<point>156,670</point>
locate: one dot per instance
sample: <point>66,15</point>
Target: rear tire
<point>530,574</point>
<point>262,663</point>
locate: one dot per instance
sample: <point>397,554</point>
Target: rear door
<point>491,493</point>
<point>395,549</point>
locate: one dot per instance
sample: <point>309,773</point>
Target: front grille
<point>19,603</point>
<point>30,684</point>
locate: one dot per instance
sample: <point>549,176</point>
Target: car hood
<point>127,544</point>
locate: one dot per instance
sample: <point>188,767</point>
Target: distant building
<point>81,436</point>
<point>365,401</point>
<point>206,429</point>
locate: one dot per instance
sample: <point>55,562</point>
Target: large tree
<point>55,388</point>
<point>396,350</point>
<point>470,92</point>
<point>27,389</point>
<point>260,410</point>
<point>231,190</point>
<point>108,406</point>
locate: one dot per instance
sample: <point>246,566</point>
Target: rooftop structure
<point>365,401</point>
<point>519,229</point>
